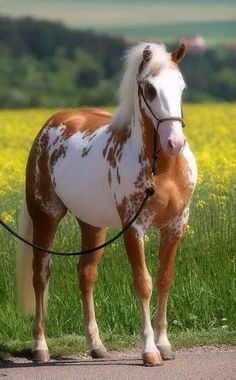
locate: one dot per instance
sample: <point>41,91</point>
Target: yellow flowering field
<point>211,131</point>
<point>204,292</point>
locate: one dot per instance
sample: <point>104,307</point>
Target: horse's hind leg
<point>44,228</point>
<point>87,273</point>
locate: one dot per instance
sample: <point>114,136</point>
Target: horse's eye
<point>150,91</point>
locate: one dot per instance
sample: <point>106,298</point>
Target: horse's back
<point>80,119</point>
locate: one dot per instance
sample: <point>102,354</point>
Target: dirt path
<point>199,363</point>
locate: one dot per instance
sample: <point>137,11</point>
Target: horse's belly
<point>98,212</point>
<point>86,194</point>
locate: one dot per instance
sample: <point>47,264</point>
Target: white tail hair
<point>24,266</point>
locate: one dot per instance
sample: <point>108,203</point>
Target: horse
<point>97,166</point>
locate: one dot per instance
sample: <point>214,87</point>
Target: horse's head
<point>160,86</point>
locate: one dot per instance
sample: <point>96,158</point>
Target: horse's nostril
<point>171,144</point>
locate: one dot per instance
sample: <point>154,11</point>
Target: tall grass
<point>203,295</point>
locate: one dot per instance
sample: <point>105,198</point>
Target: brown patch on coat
<point>118,175</point>
<point>56,154</point>
<point>115,143</point>
<point>86,120</point>
<point>40,193</point>
<point>109,177</point>
<point>86,151</point>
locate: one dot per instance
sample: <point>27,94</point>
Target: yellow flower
<point>189,231</point>
<point>7,218</point>
<point>201,203</point>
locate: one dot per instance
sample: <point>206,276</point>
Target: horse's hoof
<point>99,353</point>
<point>151,359</point>
<point>41,356</point>
<point>166,352</point>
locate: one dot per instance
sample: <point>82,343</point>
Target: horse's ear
<point>178,54</point>
<point>147,55</point>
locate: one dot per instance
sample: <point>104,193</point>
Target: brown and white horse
<point>98,167</point>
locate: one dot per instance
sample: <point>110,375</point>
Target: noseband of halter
<point>157,151</point>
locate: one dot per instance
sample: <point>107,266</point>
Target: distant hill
<point>162,20</point>
<point>45,64</point>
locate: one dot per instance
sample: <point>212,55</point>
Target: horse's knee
<point>41,271</point>
<point>164,281</point>
<point>87,276</point>
<point>143,285</point>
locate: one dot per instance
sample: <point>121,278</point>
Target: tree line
<point>45,64</point>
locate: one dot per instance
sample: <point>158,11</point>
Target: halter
<point>156,151</point>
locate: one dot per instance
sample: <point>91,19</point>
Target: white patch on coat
<point>177,224</point>
<point>81,182</point>
<point>162,339</point>
<point>192,167</point>
<point>144,221</point>
<point>40,344</point>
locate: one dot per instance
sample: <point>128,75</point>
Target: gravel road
<point>198,363</point>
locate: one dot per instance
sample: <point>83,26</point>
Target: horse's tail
<point>24,265</point>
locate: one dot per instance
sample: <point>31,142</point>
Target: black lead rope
<point>156,152</point>
<point>148,193</point>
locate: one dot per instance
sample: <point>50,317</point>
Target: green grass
<point>74,344</point>
<point>203,296</point>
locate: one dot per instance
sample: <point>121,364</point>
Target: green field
<point>202,302</point>
<point>202,297</point>
<point>214,20</point>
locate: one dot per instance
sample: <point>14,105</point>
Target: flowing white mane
<point>128,84</point>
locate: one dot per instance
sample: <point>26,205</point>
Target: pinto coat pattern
<point>98,166</point>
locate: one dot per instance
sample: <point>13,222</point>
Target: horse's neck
<point>143,132</point>
<point>143,135</point>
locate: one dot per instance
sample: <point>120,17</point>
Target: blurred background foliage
<point>46,64</point>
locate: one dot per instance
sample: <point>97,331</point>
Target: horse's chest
<point>174,189</point>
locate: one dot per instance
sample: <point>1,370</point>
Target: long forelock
<point>128,85</point>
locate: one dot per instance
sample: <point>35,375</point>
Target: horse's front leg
<point>170,238</point>
<point>87,273</point>
<point>143,288</point>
